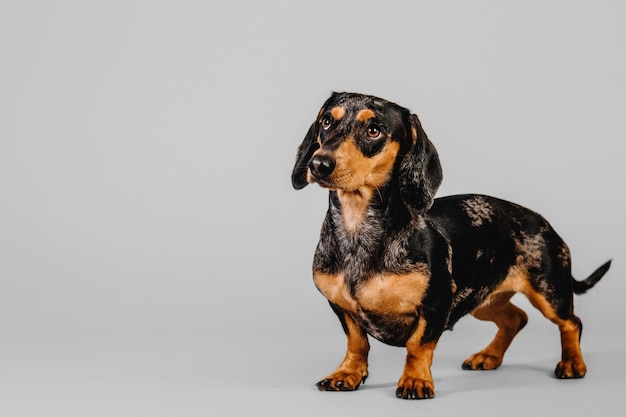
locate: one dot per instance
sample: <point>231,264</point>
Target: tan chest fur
<point>383,294</point>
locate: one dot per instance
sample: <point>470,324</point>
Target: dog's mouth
<point>335,184</point>
<point>322,182</point>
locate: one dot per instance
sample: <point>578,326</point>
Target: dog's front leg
<point>352,372</point>
<point>416,382</point>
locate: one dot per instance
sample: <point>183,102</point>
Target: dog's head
<point>363,142</point>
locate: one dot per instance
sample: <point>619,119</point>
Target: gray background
<point>154,259</point>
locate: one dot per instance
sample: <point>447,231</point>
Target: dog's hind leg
<point>509,319</point>
<point>572,364</point>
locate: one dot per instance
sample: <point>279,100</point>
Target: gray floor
<point>276,373</point>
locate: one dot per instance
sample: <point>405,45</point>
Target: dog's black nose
<point>321,166</point>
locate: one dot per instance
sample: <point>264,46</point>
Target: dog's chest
<point>385,305</point>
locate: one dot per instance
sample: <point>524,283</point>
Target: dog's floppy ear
<point>305,151</point>
<point>420,170</point>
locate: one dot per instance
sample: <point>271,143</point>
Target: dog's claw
<point>412,394</point>
<point>323,384</point>
<point>415,393</point>
<point>482,362</point>
<point>569,370</point>
<point>341,383</point>
<point>327,385</point>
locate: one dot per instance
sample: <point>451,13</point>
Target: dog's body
<point>401,266</point>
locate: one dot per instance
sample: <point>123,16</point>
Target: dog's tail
<point>580,287</point>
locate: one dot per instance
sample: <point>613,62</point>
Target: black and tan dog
<point>401,266</point>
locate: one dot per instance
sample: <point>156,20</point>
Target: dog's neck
<point>363,218</point>
<point>363,233</point>
<point>354,211</point>
<point>354,207</point>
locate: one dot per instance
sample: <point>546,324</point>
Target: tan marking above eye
<point>365,114</point>
<point>338,112</point>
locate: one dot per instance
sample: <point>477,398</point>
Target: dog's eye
<point>326,122</point>
<point>374,132</point>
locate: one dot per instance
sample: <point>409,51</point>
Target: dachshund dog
<point>402,266</point>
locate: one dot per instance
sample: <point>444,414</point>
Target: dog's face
<point>358,139</point>
<point>357,143</point>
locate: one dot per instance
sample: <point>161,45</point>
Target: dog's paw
<point>482,361</point>
<point>342,381</point>
<point>570,369</point>
<point>415,388</point>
